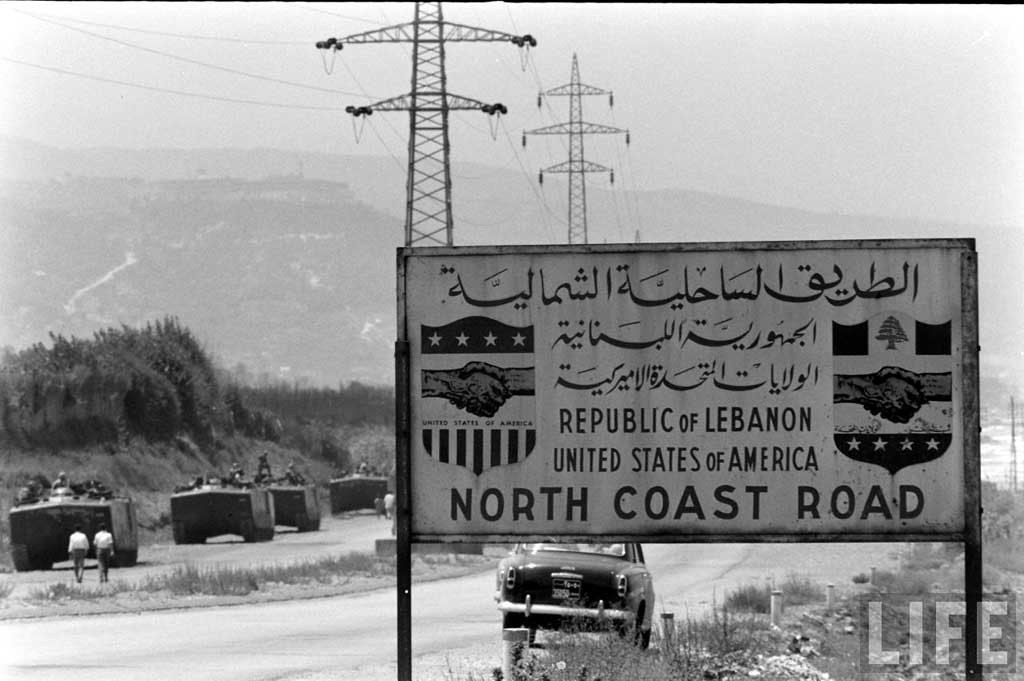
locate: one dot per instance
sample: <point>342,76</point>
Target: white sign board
<point>787,390</point>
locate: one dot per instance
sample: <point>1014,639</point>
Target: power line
<point>169,91</point>
<point>546,210</point>
<point>187,60</point>
<point>168,34</point>
<point>297,5</point>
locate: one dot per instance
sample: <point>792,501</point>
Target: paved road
<point>351,532</point>
<point>353,637</point>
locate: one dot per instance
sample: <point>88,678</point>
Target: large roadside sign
<point>691,392</point>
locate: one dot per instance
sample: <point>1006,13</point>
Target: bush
<point>797,590</point>
<point>749,598</point>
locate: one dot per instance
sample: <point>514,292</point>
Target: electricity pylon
<point>577,166</point>
<point>428,210</point>
<point>1013,446</point>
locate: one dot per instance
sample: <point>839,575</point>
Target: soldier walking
<point>78,546</point>
<point>104,543</point>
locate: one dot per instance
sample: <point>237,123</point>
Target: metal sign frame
<point>969,423</point>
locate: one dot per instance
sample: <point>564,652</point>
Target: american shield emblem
<point>480,370</point>
<point>892,390</point>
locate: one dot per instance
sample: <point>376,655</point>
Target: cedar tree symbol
<point>892,332</point>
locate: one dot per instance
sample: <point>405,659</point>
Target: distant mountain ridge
<point>284,260</point>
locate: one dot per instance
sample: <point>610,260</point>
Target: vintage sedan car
<point>549,585</point>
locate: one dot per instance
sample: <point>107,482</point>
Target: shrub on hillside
<point>154,382</point>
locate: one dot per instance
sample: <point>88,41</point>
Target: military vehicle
<point>40,525</point>
<point>356,492</point>
<point>296,506</point>
<point>214,507</point>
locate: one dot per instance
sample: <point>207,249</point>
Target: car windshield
<point>618,550</point>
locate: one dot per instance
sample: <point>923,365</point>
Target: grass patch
<point>756,598</point>
<point>800,590</point>
<point>220,581</point>
<point>717,645</point>
<point>63,591</point>
<point>749,598</point>
<point>193,580</point>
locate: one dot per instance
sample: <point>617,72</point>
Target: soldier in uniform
<point>236,473</point>
<point>61,481</point>
<point>263,473</point>
<point>293,476</point>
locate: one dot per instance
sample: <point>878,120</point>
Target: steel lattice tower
<point>428,212</point>
<point>1013,446</point>
<point>577,166</point>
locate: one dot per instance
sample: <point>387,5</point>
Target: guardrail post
<point>873,574</point>
<point>776,608</point>
<point>830,598</point>
<point>513,643</point>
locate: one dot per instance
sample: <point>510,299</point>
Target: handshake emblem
<point>479,388</point>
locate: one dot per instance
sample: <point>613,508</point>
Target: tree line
<point>158,382</point>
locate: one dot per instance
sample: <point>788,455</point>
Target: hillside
<point>283,260</point>
<point>284,275</point>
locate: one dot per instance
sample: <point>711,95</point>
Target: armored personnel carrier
<point>356,492</point>
<point>296,505</point>
<point>40,525</point>
<point>214,507</point>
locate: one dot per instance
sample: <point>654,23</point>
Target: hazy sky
<point>912,111</point>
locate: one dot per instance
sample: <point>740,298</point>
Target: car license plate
<point>565,589</point>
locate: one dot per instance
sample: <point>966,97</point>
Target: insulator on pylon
<point>627,138</point>
<point>538,101</point>
<point>613,176</point>
<point>611,100</point>
<point>524,140</point>
<point>540,177</point>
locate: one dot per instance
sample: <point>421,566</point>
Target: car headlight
<point>622,585</point>
<point>510,578</point>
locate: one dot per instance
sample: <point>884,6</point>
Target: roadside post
<point>775,608</point>
<point>513,642</point>
<point>668,630</point>
<point>811,391</point>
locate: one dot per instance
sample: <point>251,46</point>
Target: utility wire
<point>182,93</point>
<point>168,34</point>
<point>301,6</point>
<point>183,59</point>
<point>546,210</point>
<point>387,119</point>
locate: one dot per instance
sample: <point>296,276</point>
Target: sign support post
<point>973,569</point>
<point>403,510</point>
